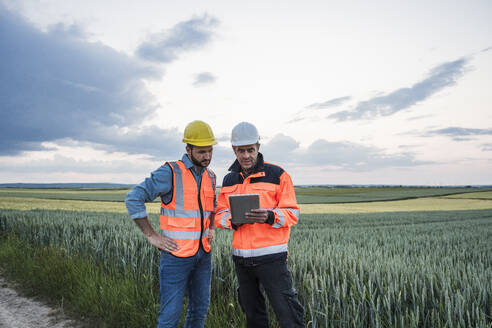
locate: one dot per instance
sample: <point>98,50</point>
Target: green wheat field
<point>360,257</point>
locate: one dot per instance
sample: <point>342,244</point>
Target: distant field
<point>325,195</point>
<point>305,195</point>
<point>473,195</point>
<point>109,195</point>
<point>446,203</point>
<point>25,204</point>
<point>468,201</point>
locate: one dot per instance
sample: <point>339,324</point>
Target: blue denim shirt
<point>159,184</point>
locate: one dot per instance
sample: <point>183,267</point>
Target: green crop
<point>406,269</point>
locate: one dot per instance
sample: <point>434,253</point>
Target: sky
<point>342,92</point>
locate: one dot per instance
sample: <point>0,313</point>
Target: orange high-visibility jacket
<point>276,191</point>
<point>186,218</point>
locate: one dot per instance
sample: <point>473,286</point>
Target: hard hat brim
<point>201,143</point>
<point>252,141</point>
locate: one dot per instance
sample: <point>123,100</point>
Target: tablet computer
<point>240,204</point>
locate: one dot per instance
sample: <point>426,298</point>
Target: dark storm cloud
<point>440,77</point>
<point>56,85</point>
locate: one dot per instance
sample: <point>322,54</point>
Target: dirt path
<point>17,311</point>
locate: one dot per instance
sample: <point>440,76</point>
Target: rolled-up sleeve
<point>159,184</point>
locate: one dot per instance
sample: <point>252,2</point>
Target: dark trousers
<point>276,279</point>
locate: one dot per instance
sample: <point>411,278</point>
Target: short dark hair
<point>189,145</point>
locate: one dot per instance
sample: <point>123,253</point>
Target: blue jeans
<point>179,275</point>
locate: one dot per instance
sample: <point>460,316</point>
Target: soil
<point>18,311</point>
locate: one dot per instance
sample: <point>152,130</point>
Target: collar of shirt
<point>189,165</point>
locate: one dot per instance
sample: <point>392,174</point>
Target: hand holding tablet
<point>246,203</point>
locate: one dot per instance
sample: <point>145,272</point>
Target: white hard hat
<point>244,134</point>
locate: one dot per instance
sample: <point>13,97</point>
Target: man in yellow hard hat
<point>187,191</point>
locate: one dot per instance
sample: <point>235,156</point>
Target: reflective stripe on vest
<point>178,186</point>
<point>260,251</point>
<point>180,213</point>
<point>184,234</point>
<point>223,221</point>
<point>281,217</point>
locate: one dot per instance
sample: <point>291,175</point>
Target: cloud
<point>440,77</point>
<point>223,137</point>
<point>487,49</point>
<point>204,78</point>
<point>460,139</point>
<point>57,86</point>
<point>311,111</point>
<point>151,140</point>
<point>458,132</point>
<point>419,117</point>
<point>341,154</point>
<point>64,164</point>
<point>487,147</point>
<point>356,156</point>
<point>329,103</point>
<point>281,147</point>
<point>166,46</point>
<point>296,119</point>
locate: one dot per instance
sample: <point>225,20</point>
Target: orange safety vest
<point>186,218</point>
<point>276,192</point>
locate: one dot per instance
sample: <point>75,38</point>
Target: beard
<point>198,163</point>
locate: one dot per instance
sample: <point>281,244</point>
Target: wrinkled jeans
<point>177,276</point>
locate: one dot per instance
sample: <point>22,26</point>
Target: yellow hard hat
<point>199,133</point>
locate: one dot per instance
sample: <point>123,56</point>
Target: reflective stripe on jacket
<point>276,191</point>
<point>185,218</point>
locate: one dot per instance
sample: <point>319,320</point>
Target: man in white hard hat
<point>187,191</point>
<point>260,248</point>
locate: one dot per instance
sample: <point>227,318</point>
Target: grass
<point>422,262</point>
<point>99,297</point>
<point>393,269</point>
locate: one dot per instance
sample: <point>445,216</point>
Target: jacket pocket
<point>267,192</point>
<point>208,196</point>
<point>229,190</point>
